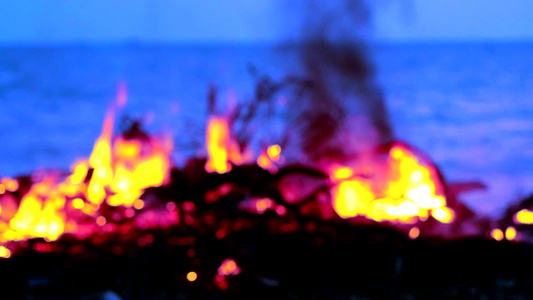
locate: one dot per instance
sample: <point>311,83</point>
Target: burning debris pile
<point>334,207</point>
<point>110,186</point>
<point>230,221</point>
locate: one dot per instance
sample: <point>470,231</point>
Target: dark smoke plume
<point>343,92</point>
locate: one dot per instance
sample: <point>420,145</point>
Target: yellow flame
<point>121,171</point>
<point>410,191</point>
<point>222,149</point>
<point>125,167</point>
<point>217,141</point>
<point>352,199</point>
<point>40,213</point>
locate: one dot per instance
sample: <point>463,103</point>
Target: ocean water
<point>468,106</point>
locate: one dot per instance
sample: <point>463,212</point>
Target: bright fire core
<point>411,191</point>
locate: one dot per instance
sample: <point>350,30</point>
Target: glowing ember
<point>138,204</point>
<point>101,220</point>
<point>4,252</point>
<point>192,276</point>
<point>263,204</point>
<point>414,233</point>
<point>281,210</point>
<point>510,233</point>
<point>342,173</point>
<point>171,206</point>
<point>443,214</point>
<point>497,234</point>
<point>222,149</point>
<point>409,191</point>
<point>268,158</point>
<point>229,267</point>
<point>260,205</point>
<point>523,217</point>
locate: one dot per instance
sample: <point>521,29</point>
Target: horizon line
<point>218,43</point>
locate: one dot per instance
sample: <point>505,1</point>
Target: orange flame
<point>409,192</point>
<point>121,170</point>
<point>222,149</point>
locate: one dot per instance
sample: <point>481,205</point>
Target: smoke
<point>343,113</point>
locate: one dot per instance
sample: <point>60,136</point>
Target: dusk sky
<point>75,21</point>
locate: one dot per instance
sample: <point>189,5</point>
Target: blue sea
<point>468,106</point>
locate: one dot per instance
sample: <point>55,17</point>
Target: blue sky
<point>74,21</point>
